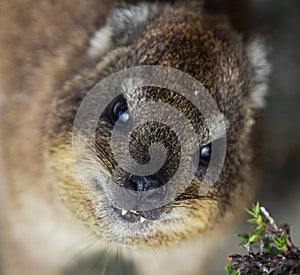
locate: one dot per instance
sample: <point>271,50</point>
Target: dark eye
<point>205,155</point>
<point>119,109</point>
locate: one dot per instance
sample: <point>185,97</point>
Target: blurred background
<point>279,157</point>
<point>280,190</point>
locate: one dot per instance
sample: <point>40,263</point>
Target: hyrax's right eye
<point>119,109</point>
<point>116,110</point>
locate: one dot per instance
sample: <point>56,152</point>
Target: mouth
<point>134,216</point>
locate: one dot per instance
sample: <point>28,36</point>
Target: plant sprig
<point>267,244</point>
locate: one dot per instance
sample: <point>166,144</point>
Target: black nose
<point>142,183</point>
<point>145,195</point>
<point>144,192</point>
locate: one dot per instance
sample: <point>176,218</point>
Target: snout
<point>142,192</point>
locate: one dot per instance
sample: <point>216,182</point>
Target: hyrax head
<point>143,160</point>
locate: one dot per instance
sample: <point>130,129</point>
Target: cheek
<point>191,217</point>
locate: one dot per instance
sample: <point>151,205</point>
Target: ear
<point>123,23</point>
<point>260,69</point>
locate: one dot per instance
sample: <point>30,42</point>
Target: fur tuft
<point>123,22</point>
<point>258,57</point>
<point>100,42</point>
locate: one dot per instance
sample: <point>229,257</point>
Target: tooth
<point>142,219</point>
<point>124,212</point>
<point>134,212</point>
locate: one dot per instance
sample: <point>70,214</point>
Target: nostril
<point>129,183</point>
<point>141,183</point>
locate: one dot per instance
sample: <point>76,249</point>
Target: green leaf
<point>259,231</point>
<point>259,272</point>
<point>267,242</point>
<point>256,209</point>
<point>280,242</point>
<point>252,213</point>
<point>259,220</point>
<point>253,238</point>
<point>228,268</point>
<point>252,220</point>
<point>274,250</point>
<point>243,236</point>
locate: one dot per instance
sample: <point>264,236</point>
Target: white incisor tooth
<point>142,219</point>
<point>124,212</point>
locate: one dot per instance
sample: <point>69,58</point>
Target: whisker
<point>200,197</point>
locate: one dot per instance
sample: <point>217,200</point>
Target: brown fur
<point>45,76</point>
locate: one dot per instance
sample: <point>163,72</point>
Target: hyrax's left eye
<point>119,109</point>
<point>205,155</point>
